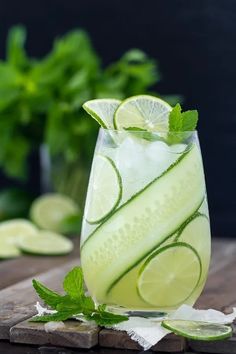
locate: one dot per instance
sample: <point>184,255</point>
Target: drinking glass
<point>145,243</point>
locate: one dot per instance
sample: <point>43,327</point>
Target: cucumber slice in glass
<point>49,210</point>
<point>102,110</point>
<point>170,275</point>
<point>198,330</point>
<point>105,192</point>
<point>47,243</point>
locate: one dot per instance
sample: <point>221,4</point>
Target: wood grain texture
<point>75,334</point>
<point>17,301</point>
<point>14,270</point>
<point>16,305</point>
<point>119,339</point>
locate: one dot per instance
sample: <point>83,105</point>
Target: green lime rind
<point>137,194</point>
<point>172,235</point>
<point>124,120</point>
<point>187,222</point>
<point>46,243</point>
<point>103,115</point>
<point>119,196</point>
<point>197,330</point>
<point>49,210</point>
<point>160,251</point>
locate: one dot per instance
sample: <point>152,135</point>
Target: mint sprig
<point>74,303</point>
<point>182,121</point>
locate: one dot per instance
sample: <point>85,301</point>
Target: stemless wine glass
<point>146,236</point>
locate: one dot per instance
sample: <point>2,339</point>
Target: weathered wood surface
<point>121,340</point>
<point>17,300</point>
<point>74,334</point>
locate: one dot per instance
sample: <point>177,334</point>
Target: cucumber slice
<point>102,110</point>
<point>143,112</point>
<point>196,232</point>
<point>11,233</point>
<point>47,243</point>
<point>170,275</point>
<point>49,210</point>
<point>142,223</point>
<point>198,330</point>
<point>105,192</point>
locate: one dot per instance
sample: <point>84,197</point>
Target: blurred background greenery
<point>41,110</point>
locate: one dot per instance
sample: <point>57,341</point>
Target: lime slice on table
<point>106,190</point>
<point>198,330</point>
<point>169,275</point>
<point>102,110</point>
<point>143,112</point>
<point>47,243</point>
<point>196,233</point>
<point>11,233</point>
<point>49,210</point>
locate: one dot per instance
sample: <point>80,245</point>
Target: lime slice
<point>47,243</point>
<point>197,234</point>
<point>49,210</point>
<point>170,275</point>
<point>8,249</point>
<point>11,233</point>
<point>105,192</point>
<point>198,330</point>
<point>102,110</point>
<point>143,112</point>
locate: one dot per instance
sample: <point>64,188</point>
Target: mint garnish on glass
<point>74,303</point>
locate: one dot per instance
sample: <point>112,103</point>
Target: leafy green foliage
<point>182,121</point>
<point>75,302</point>
<point>41,100</point>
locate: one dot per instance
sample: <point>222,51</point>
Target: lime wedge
<point>169,275</point>
<point>143,112</point>
<point>198,330</point>
<point>49,210</point>
<point>102,110</point>
<point>47,243</point>
<point>105,192</point>
<point>11,233</point>
<point>197,234</point>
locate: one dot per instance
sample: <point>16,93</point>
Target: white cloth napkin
<point>148,331</point>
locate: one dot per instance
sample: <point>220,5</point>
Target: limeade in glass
<point>145,241</point>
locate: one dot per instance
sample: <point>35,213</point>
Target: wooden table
<point>17,299</point>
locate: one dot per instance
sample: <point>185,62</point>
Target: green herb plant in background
<point>41,103</point>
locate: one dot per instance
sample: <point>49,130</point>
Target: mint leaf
<point>74,283</point>
<point>182,121</point>
<point>104,318</point>
<point>75,302</point>
<point>175,119</point>
<point>189,120</point>
<point>50,297</point>
<point>59,316</point>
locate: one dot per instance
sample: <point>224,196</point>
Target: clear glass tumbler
<point>145,242</point>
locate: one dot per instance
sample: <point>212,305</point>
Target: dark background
<point>195,44</point>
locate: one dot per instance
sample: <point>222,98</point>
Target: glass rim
<point>146,131</point>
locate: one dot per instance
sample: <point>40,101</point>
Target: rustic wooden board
<point>16,307</point>
<point>119,339</point>
<point>75,334</point>
<point>17,301</point>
